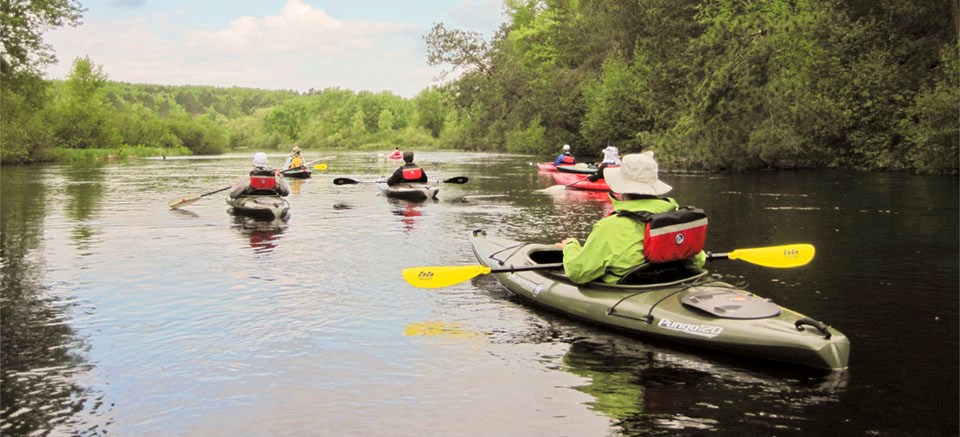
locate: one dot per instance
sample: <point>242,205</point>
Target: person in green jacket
<point>615,245</point>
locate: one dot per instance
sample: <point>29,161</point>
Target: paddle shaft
<point>512,269</point>
<point>217,191</point>
<point>346,181</point>
<point>301,166</point>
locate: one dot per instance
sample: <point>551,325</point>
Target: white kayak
<point>415,192</point>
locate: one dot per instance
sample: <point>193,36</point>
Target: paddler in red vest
<point>263,179</point>
<point>615,245</point>
<point>408,172</point>
<point>565,157</point>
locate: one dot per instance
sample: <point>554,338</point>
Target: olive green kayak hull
<point>267,207</point>
<point>695,310</point>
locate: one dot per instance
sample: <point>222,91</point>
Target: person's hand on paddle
<point>565,241</point>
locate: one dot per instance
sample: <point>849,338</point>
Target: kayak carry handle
<point>822,327</point>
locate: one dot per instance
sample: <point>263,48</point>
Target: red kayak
<point>548,167</point>
<point>575,181</point>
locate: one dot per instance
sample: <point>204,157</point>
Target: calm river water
<point>121,316</point>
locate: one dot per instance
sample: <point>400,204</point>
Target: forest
<point>717,85</point>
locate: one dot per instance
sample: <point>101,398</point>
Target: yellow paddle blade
<point>320,166</point>
<point>790,255</point>
<point>441,276</point>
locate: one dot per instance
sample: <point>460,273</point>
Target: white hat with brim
<point>637,174</point>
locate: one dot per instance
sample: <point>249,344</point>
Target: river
<point>122,316</point>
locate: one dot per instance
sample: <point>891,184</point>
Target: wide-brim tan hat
<point>637,174</point>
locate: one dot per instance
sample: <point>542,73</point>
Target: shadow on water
<point>42,356</point>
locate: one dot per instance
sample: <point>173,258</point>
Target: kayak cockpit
<point>644,274</point>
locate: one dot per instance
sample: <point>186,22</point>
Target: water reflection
<point>263,235</point>
<point>42,356</point>
<point>644,387</point>
<point>295,185</point>
<point>84,190</point>
<point>409,212</point>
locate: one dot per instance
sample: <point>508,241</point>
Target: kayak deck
<point>414,192</point>
<point>303,173</point>
<point>579,181</point>
<point>267,207</point>
<point>678,305</point>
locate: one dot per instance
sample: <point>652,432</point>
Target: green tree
<point>932,125</point>
<point>23,95</point>
<point>81,118</point>
<point>385,121</point>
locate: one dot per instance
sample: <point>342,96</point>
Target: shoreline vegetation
<point>719,85</point>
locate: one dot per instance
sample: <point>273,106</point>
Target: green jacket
<point>615,245</point>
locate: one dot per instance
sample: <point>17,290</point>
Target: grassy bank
<point>123,152</point>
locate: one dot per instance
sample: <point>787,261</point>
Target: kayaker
<point>396,153</point>
<point>611,156</point>
<point>295,160</point>
<point>615,245</point>
<point>263,180</point>
<point>565,157</point>
<point>408,172</point>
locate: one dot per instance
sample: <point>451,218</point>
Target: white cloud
<point>299,48</point>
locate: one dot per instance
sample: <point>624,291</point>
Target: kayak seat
<point>651,273</point>
<point>546,256</point>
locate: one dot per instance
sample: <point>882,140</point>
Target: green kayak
<point>263,206</point>
<point>668,302</point>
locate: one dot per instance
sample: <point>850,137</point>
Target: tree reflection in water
<point>40,352</point>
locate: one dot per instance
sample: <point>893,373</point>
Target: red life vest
<point>672,235</point>
<point>412,174</point>
<point>258,182</point>
<point>568,159</point>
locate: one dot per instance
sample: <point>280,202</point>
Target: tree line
<point>718,84</point>
<point>725,85</point>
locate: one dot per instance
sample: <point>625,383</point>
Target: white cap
<point>610,154</point>
<point>260,159</point>
<point>566,147</point>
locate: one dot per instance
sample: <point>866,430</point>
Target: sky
<point>359,45</point>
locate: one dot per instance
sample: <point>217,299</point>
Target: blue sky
<point>372,45</point>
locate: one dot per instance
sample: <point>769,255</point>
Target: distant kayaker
<point>408,172</point>
<point>611,156</point>
<point>396,153</point>
<point>295,160</point>
<point>615,245</point>
<point>263,180</point>
<point>565,157</point>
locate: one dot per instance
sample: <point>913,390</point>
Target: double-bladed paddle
<point>348,181</point>
<point>318,167</point>
<point>192,198</point>
<point>791,255</point>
